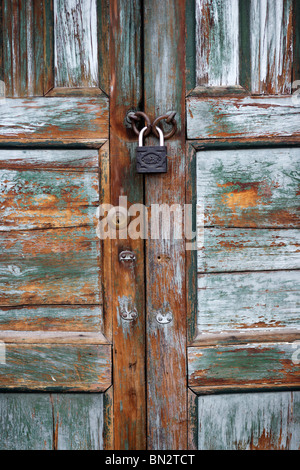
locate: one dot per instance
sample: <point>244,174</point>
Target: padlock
<point>151,159</point>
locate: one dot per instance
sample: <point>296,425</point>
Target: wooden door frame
<point>145,352</point>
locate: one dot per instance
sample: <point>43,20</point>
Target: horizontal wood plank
<point>54,119</point>
<point>49,318</point>
<point>247,367</point>
<point>56,367</point>
<point>235,301</point>
<point>243,118</point>
<point>234,249</point>
<point>249,421</point>
<point>256,188</point>
<point>47,199</point>
<point>75,160</point>
<point>52,337</point>
<point>50,267</point>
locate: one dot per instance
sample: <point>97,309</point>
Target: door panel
<point>75,43</point>
<point>54,44</point>
<point>56,121</point>
<point>243,176</point>
<point>247,421</point>
<point>252,118</point>
<point>244,44</point>
<point>43,421</point>
<point>242,367</point>
<point>54,320</point>
<point>73,70</point>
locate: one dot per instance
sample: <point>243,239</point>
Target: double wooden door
<point>87,360</point>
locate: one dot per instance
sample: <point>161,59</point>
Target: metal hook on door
<point>135,117</point>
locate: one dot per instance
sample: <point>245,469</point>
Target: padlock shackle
<point>161,137</point>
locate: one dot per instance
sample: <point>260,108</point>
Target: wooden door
<point>75,373</point>
<point>243,132</point>
<point>55,335</point>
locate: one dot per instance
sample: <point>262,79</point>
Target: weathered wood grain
<point>108,425</point>
<point>217,43</point>
<point>106,267</point>
<point>243,367</point>
<point>75,43</point>
<point>243,118</point>
<point>33,200</point>
<point>128,282</point>
<point>26,421</point>
<point>249,188</point>
<point>52,337</point>
<point>54,43</point>
<point>56,367</point>
<point>75,160</point>
<point>54,119</point>
<point>249,421</point>
<point>272,38</point>
<point>50,267</point>
<point>23,48</point>
<point>63,318</point>
<point>230,301</point>
<point>164,40</point>
<point>192,420</point>
<point>78,421</point>
<point>43,421</point>
<point>237,249</point>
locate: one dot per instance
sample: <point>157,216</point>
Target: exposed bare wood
<point>75,43</point>
<point>249,187</point>
<point>74,160</point>
<point>242,118</point>
<point>225,250</point>
<point>246,336</point>
<point>34,200</point>
<point>244,367</point>
<point>52,318</point>
<point>249,421</point>
<point>56,367</point>
<point>52,337</point>
<point>128,282</point>
<point>76,91</point>
<point>272,36</point>
<point>166,356</point>
<point>217,43</point>
<point>107,268</point>
<point>54,119</point>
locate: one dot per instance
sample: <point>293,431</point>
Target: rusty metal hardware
<point>151,159</point>
<point>170,119</point>
<point>134,117</point>
<point>127,256</point>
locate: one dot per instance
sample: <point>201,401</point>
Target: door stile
<point>164,72</point>
<point>128,291</point>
